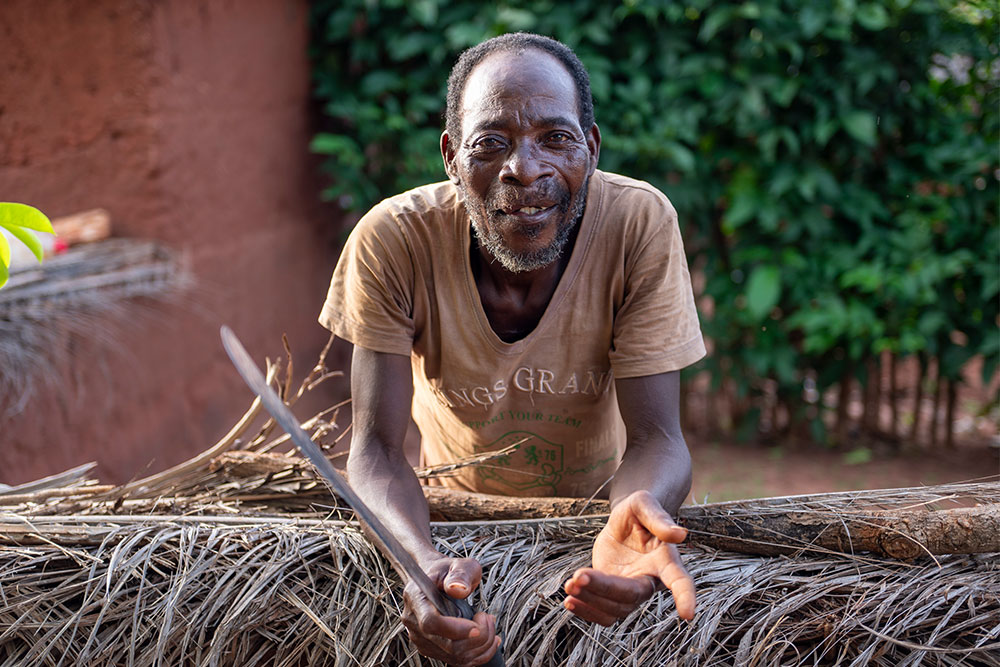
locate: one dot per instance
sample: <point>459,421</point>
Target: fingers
<point>674,575</point>
<point>650,513</point>
<point>421,616</point>
<point>486,649</point>
<point>588,583</point>
<point>681,586</point>
<point>463,577</point>
<point>485,656</point>
<point>591,613</point>
<point>603,598</point>
<point>456,641</point>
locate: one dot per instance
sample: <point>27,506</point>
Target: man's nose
<point>523,165</point>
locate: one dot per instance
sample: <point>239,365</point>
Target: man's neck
<point>514,302</point>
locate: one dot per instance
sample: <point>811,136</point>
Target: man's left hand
<point>633,555</point>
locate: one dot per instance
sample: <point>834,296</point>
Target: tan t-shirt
<point>623,308</point>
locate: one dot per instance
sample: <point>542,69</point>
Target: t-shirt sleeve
<point>656,328</point>
<point>370,300</point>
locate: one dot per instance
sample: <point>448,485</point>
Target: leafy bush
<point>835,163</point>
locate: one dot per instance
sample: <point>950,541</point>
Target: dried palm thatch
<point>240,557</point>
<point>76,293</point>
<point>232,591</point>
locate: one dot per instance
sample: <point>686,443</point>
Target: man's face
<point>523,161</point>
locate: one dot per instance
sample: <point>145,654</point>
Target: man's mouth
<point>525,210</point>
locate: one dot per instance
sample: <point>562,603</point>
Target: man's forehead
<point>508,77</point>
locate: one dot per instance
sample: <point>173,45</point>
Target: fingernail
<point>473,633</point>
<point>568,605</point>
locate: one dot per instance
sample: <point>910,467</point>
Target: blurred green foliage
<point>834,163</point>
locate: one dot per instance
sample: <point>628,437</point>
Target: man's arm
<point>635,552</point>
<point>656,457</point>
<point>381,392</point>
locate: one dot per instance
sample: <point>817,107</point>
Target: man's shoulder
<point>427,200</point>
<point>414,215</point>
<point>633,199</point>
<point>622,183</point>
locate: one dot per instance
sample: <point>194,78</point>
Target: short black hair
<point>516,42</point>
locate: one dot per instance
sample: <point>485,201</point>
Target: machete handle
<point>461,609</point>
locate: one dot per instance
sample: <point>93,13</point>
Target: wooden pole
<point>843,400</point>
<point>768,526</point>
<point>893,399</point>
<point>949,422</point>
<point>937,404</point>
<point>918,397</point>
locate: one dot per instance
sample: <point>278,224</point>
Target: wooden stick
<point>784,529</point>
<point>84,227</point>
<point>899,534</point>
<point>750,527</point>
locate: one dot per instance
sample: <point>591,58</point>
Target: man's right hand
<point>455,641</point>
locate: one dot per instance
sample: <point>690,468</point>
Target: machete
<point>386,542</point>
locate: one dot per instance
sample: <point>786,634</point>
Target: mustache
<point>509,197</point>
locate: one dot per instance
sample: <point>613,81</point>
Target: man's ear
<point>448,155</point>
<point>594,146</point>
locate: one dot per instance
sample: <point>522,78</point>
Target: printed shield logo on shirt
<point>536,463</point>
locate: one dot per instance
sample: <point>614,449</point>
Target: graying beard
<point>519,263</point>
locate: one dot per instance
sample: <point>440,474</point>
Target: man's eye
<point>489,143</point>
<point>560,137</point>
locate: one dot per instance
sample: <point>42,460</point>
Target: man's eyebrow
<point>549,121</point>
<point>558,121</point>
<point>492,124</point>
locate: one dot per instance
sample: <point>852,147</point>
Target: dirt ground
<point>727,470</point>
<point>735,471</point>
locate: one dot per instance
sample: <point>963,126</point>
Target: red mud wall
<point>189,121</point>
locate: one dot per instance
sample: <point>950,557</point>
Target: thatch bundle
<point>240,557</point>
<point>76,292</point>
<point>217,590</point>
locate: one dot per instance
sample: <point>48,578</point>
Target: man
<point>533,299</point>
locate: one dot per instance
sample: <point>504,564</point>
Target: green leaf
<point>408,46</point>
<point>858,456</point>
<point>22,215</point>
<point>424,11</point>
<point>763,291</point>
<point>873,16</point>
<point>462,35</point>
<point>824,130</point>
<point>990,351</point>
<point>29,239</point>
<point>5,250</point>
<point>742,209</point>
<point>714,23</point>
<point>867,277</point>
<point>380,81</point>
<point>516,20</point>
<point>342,146</point>
<point>860,125</point>
<point>680,155</point>
<point>18,219</point>
<point>812,19</point>
<point>990,369</point>
<point>785,92</point>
